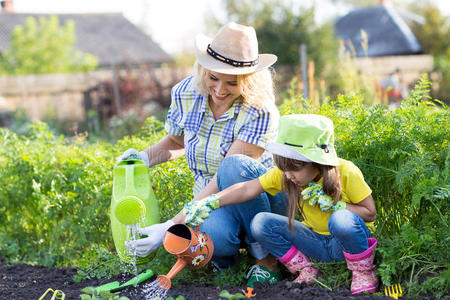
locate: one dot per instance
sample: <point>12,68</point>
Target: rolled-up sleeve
<point>261,127</point>
<point>175,113</point>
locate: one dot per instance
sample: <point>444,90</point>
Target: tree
<point>43,46</point>
<point>281,29</point>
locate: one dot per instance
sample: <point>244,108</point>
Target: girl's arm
<point>365,209</point>
<point>237,193</point>
<point>240,192</point>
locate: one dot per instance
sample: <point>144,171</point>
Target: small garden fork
<point>393,291</point>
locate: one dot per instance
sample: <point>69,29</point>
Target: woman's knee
<point>226,241</point>
<point>237,168</point>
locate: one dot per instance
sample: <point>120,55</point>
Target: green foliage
<point>43,46</point>
<point>99,263</point>
<point>226,294</point>
<point>49,184</point>
<point>434,37</point>
<point>414,257</point>
<point>55,196</point>
<point>177,298</point>
<point>92,294</point>
<point>334,275</point>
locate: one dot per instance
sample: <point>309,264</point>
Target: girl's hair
<point>256,88</point>
<point>331,184</point>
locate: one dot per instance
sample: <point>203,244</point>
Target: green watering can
<point>133,202</point>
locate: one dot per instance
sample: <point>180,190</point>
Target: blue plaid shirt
<point>207,141</point>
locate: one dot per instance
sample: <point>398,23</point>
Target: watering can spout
<point>165,280</point>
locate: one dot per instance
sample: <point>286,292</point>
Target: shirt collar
<point>229,114</point>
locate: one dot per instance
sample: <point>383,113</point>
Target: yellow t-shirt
<point>354,190</point>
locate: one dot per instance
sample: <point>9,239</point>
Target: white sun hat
<point>234,50</point>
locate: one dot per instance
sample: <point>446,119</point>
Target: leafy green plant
<point>93,294</point>
<point>99,263</point>
<point>226,294</point>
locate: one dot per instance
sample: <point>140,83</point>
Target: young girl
<point>330,193</point>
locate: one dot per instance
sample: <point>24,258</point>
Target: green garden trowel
<point>115,286</point>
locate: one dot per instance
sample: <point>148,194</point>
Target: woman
<point>221,118</point>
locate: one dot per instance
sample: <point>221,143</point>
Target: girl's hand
<point>326,203</point>
<point>312,192</point>
<point>197,211</point>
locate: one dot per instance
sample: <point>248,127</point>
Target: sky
<point>172,24</point>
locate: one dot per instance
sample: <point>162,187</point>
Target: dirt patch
<point>20,281</point>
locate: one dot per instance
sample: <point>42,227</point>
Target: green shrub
<point>56,192</point>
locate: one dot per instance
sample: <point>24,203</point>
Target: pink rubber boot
<point>363,269</point>
<point>295,261</point>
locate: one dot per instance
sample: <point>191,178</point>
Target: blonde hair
<point>256,88</point>
<point>331,184</point>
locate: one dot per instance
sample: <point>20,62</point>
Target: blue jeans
<point>348,231</point>
<point>229,226</point>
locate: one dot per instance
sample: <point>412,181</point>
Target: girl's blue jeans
<point>229,226</point>
<point>348,231</point>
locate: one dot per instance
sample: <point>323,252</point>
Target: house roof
<point>110,37</point>
<point>386,27</point>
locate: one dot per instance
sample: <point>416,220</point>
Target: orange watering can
<point>192,248</point>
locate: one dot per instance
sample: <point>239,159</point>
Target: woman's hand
<point>145,246</point>
<point>133,154</point>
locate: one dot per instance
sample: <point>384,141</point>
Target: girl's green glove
<point>197,211</point>
<point>314,194</point>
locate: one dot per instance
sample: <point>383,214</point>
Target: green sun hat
<point>306,137</point>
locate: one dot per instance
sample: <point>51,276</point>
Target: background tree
<point>44,46</point>
<point>434,36</point>
<point>281,27</point>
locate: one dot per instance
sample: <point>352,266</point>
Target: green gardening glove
<point>326,203</point>
<point>312,192</point>
<point>197,211</point>
<point>340,205</point>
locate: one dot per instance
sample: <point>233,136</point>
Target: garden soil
<point>20,281</point>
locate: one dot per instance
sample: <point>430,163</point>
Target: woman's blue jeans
<point>348,231</point>
<point>229,226</point>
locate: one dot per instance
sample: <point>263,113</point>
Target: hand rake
<point>393,291</point>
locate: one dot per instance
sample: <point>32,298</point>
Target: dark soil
<point>20,281</point>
